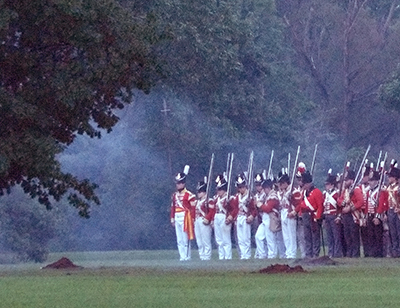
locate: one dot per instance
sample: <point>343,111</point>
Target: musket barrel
<point>295,166</point>
<point>270,164</point>
<point>209,177</point>
<point>313,161</point>
<point>230,173</point>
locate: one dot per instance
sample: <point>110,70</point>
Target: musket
<point>382,177</point>
<point>227,165</point>
<point>270,165</point>
<point>288,164</point>
<point>294,169</point>
<point>359,169</point>
<point>344,174</point>
<point>230,173</point>
<point>313,160</point>
<point>209,178</point>
<point>379,159</point>
<point>250,172</point>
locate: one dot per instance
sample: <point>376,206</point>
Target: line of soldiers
<point>289,215</point>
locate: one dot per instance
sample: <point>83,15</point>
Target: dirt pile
<point>281,268</point>
<point>63,263</point>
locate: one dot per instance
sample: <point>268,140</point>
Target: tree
<point>346,50</point>
<point>228,59</point>
<point>390,91</point>
<point>65,66</point>
<point>26,227</point>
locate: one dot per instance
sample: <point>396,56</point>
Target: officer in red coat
<point>183,205</point>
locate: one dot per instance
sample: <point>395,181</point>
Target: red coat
<point>181,201</point>
<point>392,198</point>
<point>234,207</point>
<point>382,203</point>
<point>356,198</point>
<point>205,209</point>
<point>356,201</point>
<point>313,202</point>
<point>331,205</point>
<point>271,203</point>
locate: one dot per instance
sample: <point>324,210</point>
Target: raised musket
<point>358,214</point>
<point>313,161</point>
<point>250,173</point>
<point>382,177</point>
<point>343,176</point>
<point>227,166</point>
<point>269,175</point>
<point>294,169</point>
<point>229,178</point>
<point>209,178</point>
<point>379,159</point>
<point>353,186</point>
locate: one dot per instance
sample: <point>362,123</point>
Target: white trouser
<point>300,237</point>
<point>261,242</point>
<point>289,226</point>
<point>243,231</point>
<point>182,237</point>
<point>223,236</point>
<point>264,233</point>
<point>203,238</point>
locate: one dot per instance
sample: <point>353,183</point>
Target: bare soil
<point>281,268</point>
<point>63,263</point>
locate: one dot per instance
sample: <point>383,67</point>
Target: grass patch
<point>156,279</point>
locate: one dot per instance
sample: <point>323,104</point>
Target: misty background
<point>239,76</point>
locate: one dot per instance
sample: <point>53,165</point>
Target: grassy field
<point>157,279</point>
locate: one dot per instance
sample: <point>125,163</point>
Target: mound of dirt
<point>281,268</point>
<point>63,263</point>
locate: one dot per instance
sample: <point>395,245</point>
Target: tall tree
<point>64,67</point>
<point>346,50</point>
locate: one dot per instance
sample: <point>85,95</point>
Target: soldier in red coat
<point>242,212</point>
<point>393,213</point>
<point>364,186</point>
<point>331,211</point>
<point>222,226</point>
<point>182,214</point>
<point>311,208</point>
<point>265,231</point>
<point>351,201</point>
<point>376,206</point>
<point>205,211</point>
<point>259,200</point>
<point>289,224</point>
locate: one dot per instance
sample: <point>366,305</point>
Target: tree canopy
<point>64,67</point>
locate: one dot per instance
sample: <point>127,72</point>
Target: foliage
<point>64,67</point>
<point>228,59</point>
<point>346,50</point>
<point>390,92</point>
<point>27,227</point>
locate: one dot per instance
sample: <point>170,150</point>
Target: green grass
<point>157,279</point>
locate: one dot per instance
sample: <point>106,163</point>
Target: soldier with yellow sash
<point>183,206</point>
